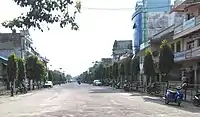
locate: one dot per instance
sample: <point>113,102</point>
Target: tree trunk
<point>38,85</point>
<point>29,84</point>
<point>12,89</point>
<point>148,79</point>
<point>33,85</point>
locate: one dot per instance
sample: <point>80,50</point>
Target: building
<point>156,40</point>
<point>120,48</point>
<point>106,61</point>
<point>18,43</point>
<point>3,74</point>
<point>186,39</point>
<point>150,17</point>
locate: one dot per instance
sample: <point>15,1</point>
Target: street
<point>73,100</point>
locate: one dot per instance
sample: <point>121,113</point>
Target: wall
<point>156,22</point>
<point>158,5</point>
<point>176,18</point>
<point>138,31</point>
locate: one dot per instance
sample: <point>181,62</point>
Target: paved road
<point>73,100</point>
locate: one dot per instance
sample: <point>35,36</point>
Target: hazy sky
<point>74,51</point>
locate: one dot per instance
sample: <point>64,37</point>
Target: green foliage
<point>31,66</point>
<point>115,71</point>
<point>57,77</point>
<point>40,71</point>
<point>121,69</point>
<point>166,58</point>
<point>12,67</point>
<point>127,65</point>
<point>21,73</point>
<point>98,71</point>
<point>45,12</point>
<point>148,65</point>
<point>135,65</point>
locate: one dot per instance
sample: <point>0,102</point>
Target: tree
<point>40,72</point>
<point>45,12</point>
<point>30,69</point>
<point>148,65</point>
<point>12,71</point>
<point>21,73</point>
<point>121,71</point>
<point>127,67</point>
<point>115,71</point>
<point>166,59</point>
<point>135,67</point>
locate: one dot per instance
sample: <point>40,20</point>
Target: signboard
<point>179,56</point>
<point>188,24</point>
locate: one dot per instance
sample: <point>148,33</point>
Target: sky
<point>74,51</point>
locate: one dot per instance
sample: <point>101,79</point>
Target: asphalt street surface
<point>73,100</point>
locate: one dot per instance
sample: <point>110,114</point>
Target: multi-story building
<point>186,39</point>
<point>18,43</point>
<point>150,17</point>
<point>106,61</point>
<point>120,48</point>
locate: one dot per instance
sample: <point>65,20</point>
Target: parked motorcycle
<point>21,89</point>
<point>117,85</point>
<point>153,89</point>
<point>79,82</point>
<point>126,86</point>
<point>174,96</point>
<point>196,100</point>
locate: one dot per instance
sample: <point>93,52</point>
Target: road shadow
<point>105,90</point>
<point>184,105</point>
<point>138,94</point>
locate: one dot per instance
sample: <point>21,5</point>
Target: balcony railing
<point>187,54</point>
<point>178,2</point>
<point>187,25</point>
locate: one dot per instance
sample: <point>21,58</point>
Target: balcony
<point>187,54</point>
<point>180,5</point>
<point>187,27</point>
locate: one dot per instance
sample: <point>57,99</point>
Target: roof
<point>3,58</point>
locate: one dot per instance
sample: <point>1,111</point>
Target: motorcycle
<point>153,89</point>
<point>21,89</point>
<point>196,99</point>
<point>126,87</point>
<point>174,96</point>
<point>79,82</point>
<point>117,85</point>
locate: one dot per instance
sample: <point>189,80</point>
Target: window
<point>178,46</point>
<point>190,45</point>
<point>172,47</point>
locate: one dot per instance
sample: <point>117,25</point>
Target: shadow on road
<point>184,106</point>
<point>138,94</point>
<point>104,90</point>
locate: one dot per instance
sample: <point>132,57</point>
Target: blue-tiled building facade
<point>142,8</point>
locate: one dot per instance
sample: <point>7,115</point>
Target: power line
<point>112,9</point>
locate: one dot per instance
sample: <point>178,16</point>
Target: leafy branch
<point>45,11</point>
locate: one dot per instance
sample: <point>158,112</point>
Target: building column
<point>195,67</point>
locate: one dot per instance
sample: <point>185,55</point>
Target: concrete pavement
<point>73,100</point>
